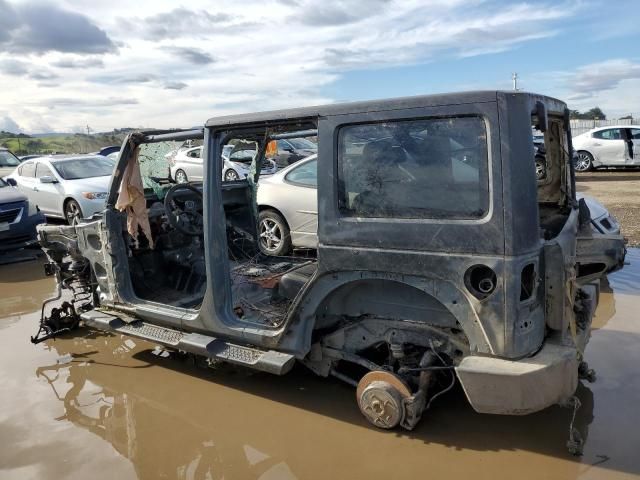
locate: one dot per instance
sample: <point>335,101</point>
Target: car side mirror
<point>11,181</point>
<point>48,179</point>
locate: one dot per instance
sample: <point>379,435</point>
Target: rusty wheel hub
<point>381,398</point>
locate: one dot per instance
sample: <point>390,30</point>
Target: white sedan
<point>613,146</point>
<point>187,166</point>
<point>70,187</point>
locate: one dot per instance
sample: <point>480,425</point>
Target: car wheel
<point>275,238</point>
<point>231,176</point>
<point>584,161</point>
<point>72,212</point>
<point>181,177</point>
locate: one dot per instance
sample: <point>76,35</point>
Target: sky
<point>69,64</point>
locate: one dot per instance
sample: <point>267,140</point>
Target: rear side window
<point>195,153</point>
<point>611,134</point>
<point>430,168</point>
<point>28,169</point>
<point>305,174</point>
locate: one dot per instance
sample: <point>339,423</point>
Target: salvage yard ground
<point>619,192</point>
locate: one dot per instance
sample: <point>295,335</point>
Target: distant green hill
<point>22,144</point>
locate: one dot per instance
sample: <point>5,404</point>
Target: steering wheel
<point>183,215</point>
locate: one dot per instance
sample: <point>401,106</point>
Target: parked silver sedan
<point>613,146</point>
<point>70,187</point>
<point>288,204</point>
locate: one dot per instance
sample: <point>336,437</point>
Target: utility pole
<point>88,141</point>
<point>514,77</point>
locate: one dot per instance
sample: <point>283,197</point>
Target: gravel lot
<point>619,192</point>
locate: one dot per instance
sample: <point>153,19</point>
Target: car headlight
<point>95,195</point>
<point>33,208</point>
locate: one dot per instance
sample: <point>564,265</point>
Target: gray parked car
<point>18,218</point>
<point>436,263</point>
<point>69,186</point>
<point>291,150</point>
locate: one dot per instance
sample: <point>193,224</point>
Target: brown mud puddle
<point>99,406</point>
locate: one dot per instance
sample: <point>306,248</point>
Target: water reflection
<point>156,429</point>
<point>171,420</point>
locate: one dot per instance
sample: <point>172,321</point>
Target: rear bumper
<point>508,387</point>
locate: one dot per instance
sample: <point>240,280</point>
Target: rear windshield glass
<point>84,167</point>
<point>430,168</point>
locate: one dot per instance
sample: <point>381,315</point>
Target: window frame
<point>51,174</point>
<point>26,164</point>
<point>345,215</point>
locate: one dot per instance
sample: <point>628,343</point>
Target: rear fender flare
<point>320,290</point>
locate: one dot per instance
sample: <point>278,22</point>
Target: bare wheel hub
<point>381,398</point>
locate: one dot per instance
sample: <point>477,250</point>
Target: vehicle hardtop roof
<point>480,96</point>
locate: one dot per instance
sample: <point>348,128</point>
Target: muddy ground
<point>99,406</point>
<point>619,191</point>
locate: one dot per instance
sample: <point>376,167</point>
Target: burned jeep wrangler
<point>440,255</point>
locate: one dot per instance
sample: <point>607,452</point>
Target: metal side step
<point>265,360</point>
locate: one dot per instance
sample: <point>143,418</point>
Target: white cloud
<point>613,85</point>
<point>596,77</point>
<point>179,66</point>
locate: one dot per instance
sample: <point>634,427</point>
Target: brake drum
<point>381,398</point>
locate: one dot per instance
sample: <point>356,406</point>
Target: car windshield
<point>8,159</point>
<point>302,144</point>
<point>84,167</point>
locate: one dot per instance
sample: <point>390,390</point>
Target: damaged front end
<point>73,273</point>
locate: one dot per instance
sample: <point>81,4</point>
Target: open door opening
<point>164,232</point>
<point>263,283</point>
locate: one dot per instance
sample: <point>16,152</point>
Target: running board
<point>268,361</point>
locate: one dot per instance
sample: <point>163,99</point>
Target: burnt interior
<point>552,161</point>
<point>173,270</point>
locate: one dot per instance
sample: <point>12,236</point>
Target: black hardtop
<point>460,98</point>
